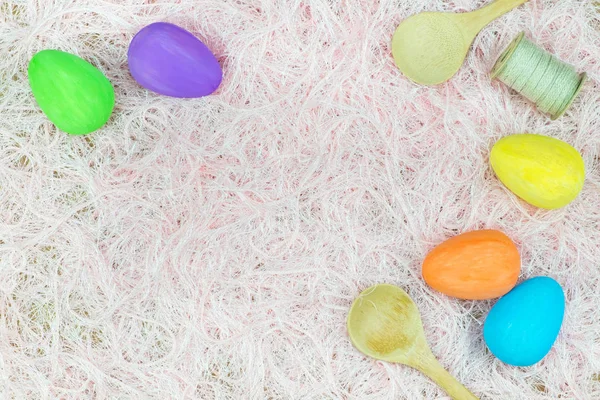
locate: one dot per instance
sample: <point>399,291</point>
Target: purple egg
<point>171,61</point>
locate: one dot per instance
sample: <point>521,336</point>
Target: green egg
<point>72,93</point>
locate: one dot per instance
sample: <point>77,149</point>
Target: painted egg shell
<point>545,172</point>
<point>171,61</point>
<point>72,93</point>
<point>522,326</point>
<point>476,265</point>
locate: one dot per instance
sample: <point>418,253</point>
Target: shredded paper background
<point>211,248</point>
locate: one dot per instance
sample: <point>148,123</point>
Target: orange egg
<point>476,265</point>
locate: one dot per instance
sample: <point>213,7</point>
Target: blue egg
<point>523,325</point>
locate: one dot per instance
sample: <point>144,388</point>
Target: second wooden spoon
<point>384,323</point>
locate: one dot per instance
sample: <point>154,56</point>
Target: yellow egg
<point>545,172</point>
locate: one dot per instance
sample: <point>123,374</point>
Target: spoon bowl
<point>384,323</point>
<point>430,47</point>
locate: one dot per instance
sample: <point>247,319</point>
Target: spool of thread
<point>539,76</point>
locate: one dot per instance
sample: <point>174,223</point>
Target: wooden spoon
<point>384,323</point>
<point>430,47</point>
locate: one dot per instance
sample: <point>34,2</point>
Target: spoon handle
<point>480,18</point>
<point>430,366</point>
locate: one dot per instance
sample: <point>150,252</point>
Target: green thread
<point>540,77</point>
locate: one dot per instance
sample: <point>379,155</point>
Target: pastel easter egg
<point>476,265</point>
<point>545,172</point>
<point>522,326</point>
<point>171,61</point>
<point>72,93</point>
